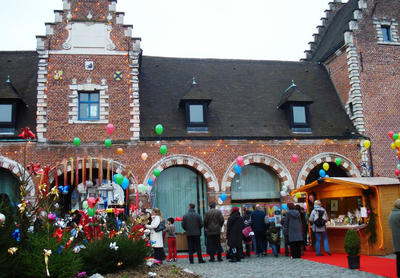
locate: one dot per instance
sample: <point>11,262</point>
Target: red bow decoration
<point>179,218</point>
<point>58,233</point>
<point>112,233</point>
<point>34,168</point>
<point>27,133</point>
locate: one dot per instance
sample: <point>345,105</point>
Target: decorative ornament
<point>223,197</point>
<point>63,189</point>
<point>237,169</point>
<point>338,161</point>
<point>77,141</point>
<point>118,75</point>
<point>125,183</point>
<point>27,134</point>
<point>295,158</point>
<point>113,246</point>
<point>12,250</point>
<point>47,254</point>
<point>110,129</point>
<point>2,219</point>
<point>107,142</point>
<point>22,206</point>
<point>54,191</point>
<point>16,235</point>
<point>240,161</point>
<point>89,65</point>
<point>33,168</point>
<point>163,149</point>
<point>157,172</point>
<point>58,75</point>
<point>367,143</point>
<point>58,234</point>
<point>325,166</point>
<point>120,151</point>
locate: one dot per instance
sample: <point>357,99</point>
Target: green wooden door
<point>175,189</point>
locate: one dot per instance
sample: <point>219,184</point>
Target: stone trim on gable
<point>73,114</point>
<point>277,166</point>
<point>41,111</point>
<point>188,160</point>
<point>349,167</point>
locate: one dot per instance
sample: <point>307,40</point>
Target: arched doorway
<point>175,188</point>
<point>333,171</point>
<point>257,184</point>
<point>9,186</point>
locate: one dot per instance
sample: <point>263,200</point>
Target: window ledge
<point>388,43</point>
<point>197,129</point>
<point>301,130</point>
<point>89,122</point>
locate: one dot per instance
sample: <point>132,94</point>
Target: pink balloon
<point>295,158</point>
<point>51,216</point>
<point>110,128</point>
<point>240,161</point>
<point>397,172</point>
<point>390,134</point>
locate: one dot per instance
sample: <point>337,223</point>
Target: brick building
<point>88,71</point>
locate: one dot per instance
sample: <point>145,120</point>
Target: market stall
<point>362,204</point>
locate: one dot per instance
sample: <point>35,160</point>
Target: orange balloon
<point>120,151</point>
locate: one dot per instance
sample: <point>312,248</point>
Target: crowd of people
<point>253,229</point>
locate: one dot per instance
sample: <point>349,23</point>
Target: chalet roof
<point>333,37</point>
<point>22,67</point>
<point>244,93</point>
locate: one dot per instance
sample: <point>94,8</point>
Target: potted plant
<point>352,246</point>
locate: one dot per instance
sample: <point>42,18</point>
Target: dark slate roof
<point>333,37</point>
<point>195,93</point>
<point>245,95</point>
<point>293,94</point>
<point>22,67</point>
<point>8,91</point>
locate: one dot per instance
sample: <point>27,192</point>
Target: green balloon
<point>91,211</point>
<point>107,142</point>
<point>163,149</point>
<point>85,205</point>
<point>395,136</point>
<point>157,172</point>
<point>119,178</point>
<point>159,129</point>
<point>338,161</point>
<point>77,141</point>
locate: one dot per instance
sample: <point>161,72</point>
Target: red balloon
<point>390,134</point>
<point>397,172</point>
<point>110,128</point>
<point>92,202</point>
<point>240,161</point>
<point>295,158</point>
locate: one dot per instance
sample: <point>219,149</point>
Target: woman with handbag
<point>156,238</point>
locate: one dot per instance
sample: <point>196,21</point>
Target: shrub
<point>352,243</point>
<point>98,257</point>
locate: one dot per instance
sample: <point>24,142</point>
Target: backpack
<point>320,222</point>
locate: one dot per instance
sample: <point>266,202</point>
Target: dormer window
<point>195,104</point>
<point>295,103</point>
<point>7,118</point>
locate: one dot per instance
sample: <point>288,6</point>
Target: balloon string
<point>90,169</point>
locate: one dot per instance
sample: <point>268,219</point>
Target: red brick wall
<point>59,91</point>
<point>380,85</point>
<point>339,74</point>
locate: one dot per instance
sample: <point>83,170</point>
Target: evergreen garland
<point>371,226</point>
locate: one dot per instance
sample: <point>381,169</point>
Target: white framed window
<point>387,31</point>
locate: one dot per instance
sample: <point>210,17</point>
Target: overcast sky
<point>237,29</point>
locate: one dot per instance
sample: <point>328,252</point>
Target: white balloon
<point>220,202</point>
<point>283,193</point>
<point>284,188</point>
<point>2,218</point>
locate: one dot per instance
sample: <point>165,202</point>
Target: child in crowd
<point>274,237</point>
<point>171,240</point>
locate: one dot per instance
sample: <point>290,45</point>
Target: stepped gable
<point>20,68</point>
<point>330,37</point>
<point>244,93</point>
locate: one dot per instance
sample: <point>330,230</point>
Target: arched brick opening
<point>19,171</point>
<point>277,166</point>
<point>347,165</point>
<point>187,160</point>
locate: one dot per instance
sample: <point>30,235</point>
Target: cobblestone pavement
<point>271,267</point>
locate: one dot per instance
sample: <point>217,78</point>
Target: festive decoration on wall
<point>325,166</point>
<point>159,129</point>
<point>110,129</point>
<point>58,75</point>
<point>120,151</point>
<point>237,169</point>
<point>118,75</point>
<point>107,143</point>
<point>240,161</point>
<point>223,197</point>
<point>338,161</point>
<point>27,134</point>
<point>295,158</point>
<point>89,65</point>
<point>77,141</point>
<point>144,156</point>
<point>163,149</point>
<point>157,172</point>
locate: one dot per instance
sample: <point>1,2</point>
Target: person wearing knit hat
<point>234,234</point>
<point>213,223</point>
<point>394,222</point>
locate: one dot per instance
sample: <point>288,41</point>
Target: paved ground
<point>270,267</point>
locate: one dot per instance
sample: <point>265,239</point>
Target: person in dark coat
<point>213,222</point>
<point>285,233</point>
<point>394,222</point>
<point>248,241</point>
<point>274,237</point>
<point>192,224</point>
<point>234,234</point>
<point>260,229</point>
<point>294,229</point>
<point>304,225</point>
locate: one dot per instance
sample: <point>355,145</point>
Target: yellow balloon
<point>397,143</point>
<point>298,195</point>
<point>393,146</point>
<point>367,143</point>
<point>325,166</point>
